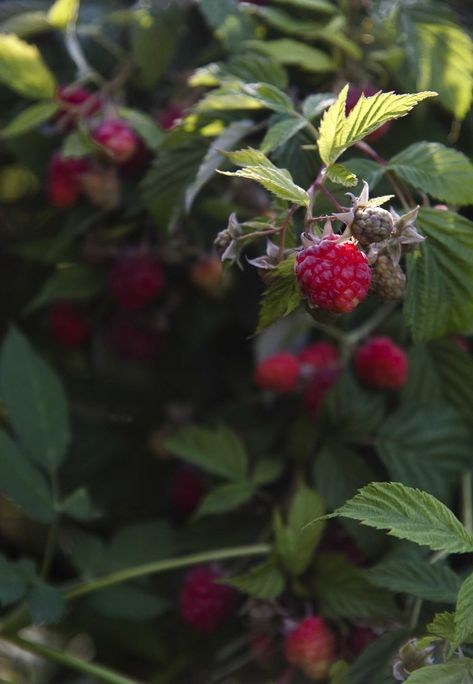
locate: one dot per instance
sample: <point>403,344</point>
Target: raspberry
<point>372,224</point>
<point>319,384</point>
<point>186,490</point>
<point>75,102</point>
<point>381,363</point>
<point>311,648</point>
<point>388,280</point>
<point>203,604</point>
<point>278,373</point>
<point>333,276</point>
<point>354,94</point>
<point>67,325</point>
<point>358,640</point>
<point>136,280</point>
<point>319,355</point>
<point>117,139</point>
<point>132,341</point>
<point>170,117</point>
<point>64,180</point>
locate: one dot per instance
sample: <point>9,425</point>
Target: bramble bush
<point>235,371</point>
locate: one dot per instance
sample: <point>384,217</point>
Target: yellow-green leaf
<point>22,69</point>
<point>63,12</point>
<point>341,175</point>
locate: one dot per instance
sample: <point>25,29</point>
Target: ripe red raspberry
<point>203,604</point>
<point>68,327</point>
<point>354,94</point>
<point>186,490</point>
<point>319,384</point>
<point>118,140</point>
<point>75,103</point>
<point>319,355</point>
<point>170,117</point>
<point>278,373</point>
<point>135,280</point>
<point>311,648</point>
<point>358,640</point>
<point>381,363</point>
<point>131,340</point>
<point>333,276</point>
<point>64,180</point>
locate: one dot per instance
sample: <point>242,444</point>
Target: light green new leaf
<point>437,583</point>
<point>29,119</point>
<point>281,297</point>
<point>338,132</point>
<point>440,171</point>
<point>464,613</point>
<point>144,125</point>
<point>408,513</point>
<point>35,401</point>
<point>439,298</point>
<point>341,175</point>
<point>293,53</point>
<point>281,132</point>
<point>225,498</point>
<point>22,482</point>
<point>270,96</point>
<point>22,69</point>
<point>257,167</point>
<point>220,451</point>
<point>63,13</point>
<point>264,582</point>
<point>443,626</point>
<point>456,672</point>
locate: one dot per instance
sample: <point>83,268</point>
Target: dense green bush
<point>236,295</point>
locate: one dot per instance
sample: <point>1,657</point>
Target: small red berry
<point>135,280</point>
<point>131,340</point>
<point>64,180</point>
<point>186,490</point>
<point>333,276</point>
<point>203,604</point>
<point>170,117</point>
<point>68,327</point>
<point>319,355</point>
<point>379,362</point>
<point>118,140</point>
<point>75,103</point>
<point>319,384</point>
<point>278,373</point>
<point>311,648</point>
<point>358,640</point>
<point>354,94</point>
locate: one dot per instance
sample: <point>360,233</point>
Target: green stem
<point>164,565</point>
<point>415,612</point>
<point>98,672</point>
<point>467,501</point>
<point>371,324</point>
<point>50,547</point>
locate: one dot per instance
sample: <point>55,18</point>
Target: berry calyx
<point>64,180</point>
<point>117,139</point>
<point>354,94</point>
<point>186,490</point>
<point>379,362</point>
<point>333,276</point>
<point>135,280</point>
<point>68,327</point>
<point>388,280</point>
<point>203,604</point>
<point>278,373</point>
<point>311,648</point>
<point>372,224</point>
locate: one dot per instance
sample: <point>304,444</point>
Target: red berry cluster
<point>204,604</point>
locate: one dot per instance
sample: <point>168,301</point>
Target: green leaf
<point>230,24</point>
<point>322,6</point>
<point>229,97</point>
<point>45,603</point>
<point>341,175</point>
<point>263,582</point>
<point>439,297</point>
<point>23,70</point>
<point>13,581</point>
<point>444,62</point>
<point>224,142</point>
<point>427,581</point>
<point>281,297</point>
<point>444,173</point>
<point>26,24</point>
<point>257,167</point>
<point>343,591</point>
<point>314,105</point>
<point>77,144</point>
<point>29,119</point>
<point>137,544</point>
<point>78,505</point>
<point>374,665</point>
<point>296,540</point>
<point>225,498</point>
<point>129,602</point>
<point>408,513</point>
<point>425,447</point>
<point>77,283</point>
<point>153,38</point>
<point>454,370</point>
<point>35,401</point>
<point>293,53</point>
<point>144,125</point>
<point>443,626</point>
<point>457,672</point>
<point>219,452</point>
<point>338,131</point>
<point>464,613</point>
<point>270,96</point>
<point>63,13</point>
<point>266,471</point>
<point>280,132</point>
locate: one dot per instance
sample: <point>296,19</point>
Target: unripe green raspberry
<point>372,224</point>
<point>388,281</point>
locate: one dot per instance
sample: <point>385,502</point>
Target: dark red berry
<point>203,604</point>
<point>187,488</point>
<point>319,355</point>
<point>117,139</point>
<point>318,386</point>
<point>64,180</point>
<point>333,276</point>
<point>75,103</point>
<point>311,648</point>
<point>131,340</point>
<point>170,117</point>
<point>379,362</point>
<point>354,94</point>
<point>278,373</point>
<point>358,640</point>
<point>135,280</point>
<point>68,327</point>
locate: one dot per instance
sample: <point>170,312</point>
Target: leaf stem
<point>50,547</point>
<point>98,672</point>
<point>467,501</point>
